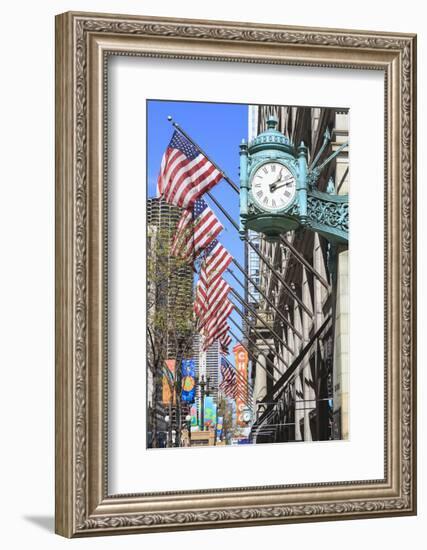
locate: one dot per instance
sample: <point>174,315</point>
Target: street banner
<point>193,414</point>
<point>168,394</point>
<point>219,426</point>
<point>210,411</point>
<point>188,371</point>
<point>241,363</point>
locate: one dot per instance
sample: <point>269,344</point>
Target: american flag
<point>216,327</point>
<point>221,329</point>
<point>228,382</point>
<point>231,383</point>
<point>242,388</point>
<point>207,302</point>
<point>185,174</point>
<point>216,260</point>
<point>224,343</point>
<point>195,231</point>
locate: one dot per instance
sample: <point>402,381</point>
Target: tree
<point>170,322</point>
<point>225,410</point>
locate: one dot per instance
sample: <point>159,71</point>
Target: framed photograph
<point>235,274</point>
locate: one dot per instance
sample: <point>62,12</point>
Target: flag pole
<point>245,304</point>
<point>270,303</point>
<point>259,335</point>
<point>262,257</point>
<point>234,224</point>
<point>267,299</point>
<point>237,190</point>
<point>254,358</point>
<point>239,376</point>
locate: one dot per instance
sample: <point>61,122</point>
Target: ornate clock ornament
<point>278,189</point>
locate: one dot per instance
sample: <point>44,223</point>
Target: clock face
<point>273,186</point>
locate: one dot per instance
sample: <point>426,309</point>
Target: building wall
<point>323,372</point>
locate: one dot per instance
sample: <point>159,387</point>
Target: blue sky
<point>218,128</point>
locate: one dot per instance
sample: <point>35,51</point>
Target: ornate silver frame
<point>83,506</point>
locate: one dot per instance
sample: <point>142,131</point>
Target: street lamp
<point>169,426</point>
<point>204,390</point>
<point>220,412</point>
<point>188,419</point>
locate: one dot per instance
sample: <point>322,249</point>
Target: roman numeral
<point>273,167</point>
<point>259,194</point>
<point>258,184</point>
<point>287,193</point>
<point>265,170</point>
<point>265,201</point>
<point>273,203</point>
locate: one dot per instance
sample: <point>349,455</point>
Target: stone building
<point>300,364</point>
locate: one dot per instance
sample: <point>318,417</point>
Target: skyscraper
<point>207,364</point>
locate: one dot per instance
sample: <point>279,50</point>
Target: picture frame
<point>84,43</point>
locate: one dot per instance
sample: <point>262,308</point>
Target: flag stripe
<point>188,173</point>
<point>206,178</point>
<point>218,258</point>
<point>207,230</point>
<point>177,165</point>
<point>212,302</point>
<point>216,324</point>
<point>222,313</point>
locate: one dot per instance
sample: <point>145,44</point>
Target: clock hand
<point>279,186</point>
<point>279,178</point>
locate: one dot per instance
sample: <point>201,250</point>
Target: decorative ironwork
<point>328,215</point>
<point>313,177</point>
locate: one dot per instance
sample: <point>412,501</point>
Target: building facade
<point>207,365</point>
<point>299,339</point>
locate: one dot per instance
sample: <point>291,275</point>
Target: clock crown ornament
<point>271,140</point>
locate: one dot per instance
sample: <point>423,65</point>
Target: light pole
<point>188,419</point>
<point>204,390</point>
<point>169,425</point>
<point>219,413</point>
